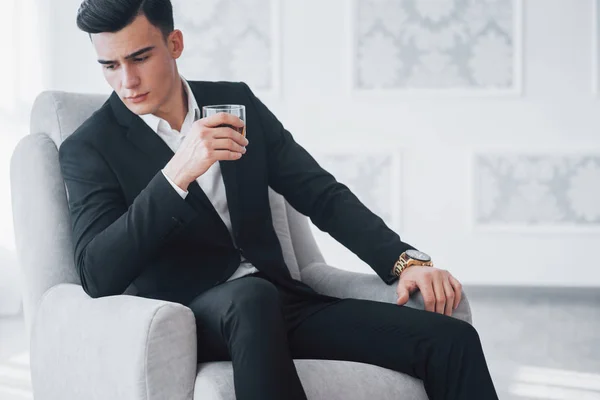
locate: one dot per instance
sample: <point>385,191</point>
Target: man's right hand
<point>207,142</point>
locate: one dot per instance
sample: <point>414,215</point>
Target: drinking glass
<point>236,109</point>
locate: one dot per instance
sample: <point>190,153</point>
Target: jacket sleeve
<point>331,206</point>
<point>113,242</point>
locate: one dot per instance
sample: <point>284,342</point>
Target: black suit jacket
<point>131,226</point>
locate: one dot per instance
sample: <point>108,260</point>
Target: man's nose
<point>130,77</point>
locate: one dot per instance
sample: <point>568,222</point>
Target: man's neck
<point>177,109</point>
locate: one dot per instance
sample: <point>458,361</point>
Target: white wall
<point>436,135</point>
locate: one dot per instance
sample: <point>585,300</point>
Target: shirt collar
<point>193,113</point>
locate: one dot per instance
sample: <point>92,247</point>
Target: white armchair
<point>128,347</point>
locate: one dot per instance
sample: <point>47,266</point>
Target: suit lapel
<point>229,171</point>
<point>145,139</point>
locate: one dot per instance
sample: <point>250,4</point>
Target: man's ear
<point>175,43</point>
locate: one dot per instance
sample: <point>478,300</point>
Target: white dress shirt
<point>211,181</point>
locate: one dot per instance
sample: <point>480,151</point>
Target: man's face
<point>139,65</point>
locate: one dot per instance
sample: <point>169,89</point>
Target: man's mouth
<point>137,98</point>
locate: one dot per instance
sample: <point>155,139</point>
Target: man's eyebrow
<point>130,56</point>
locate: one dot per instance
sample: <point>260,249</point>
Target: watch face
<point>418,255</point>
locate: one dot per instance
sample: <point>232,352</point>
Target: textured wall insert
<point>436,44</point>
<point>554,190</point>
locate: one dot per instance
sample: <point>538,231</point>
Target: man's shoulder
<point>92,137</point>
<point>209,89</point>
<point>216,85</point>
<point>95,127</point>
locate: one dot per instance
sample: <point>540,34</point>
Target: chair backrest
<point>40,209</point>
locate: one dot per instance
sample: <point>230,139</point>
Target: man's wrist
<point>177,178</point>
<point>180,191</point>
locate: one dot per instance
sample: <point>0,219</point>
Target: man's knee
<point>459,332</point>
<point>253,297</point>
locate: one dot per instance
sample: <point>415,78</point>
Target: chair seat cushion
<point>322,380</point>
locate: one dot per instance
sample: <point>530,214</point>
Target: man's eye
<point>109,66</point>
<point>140,59</point>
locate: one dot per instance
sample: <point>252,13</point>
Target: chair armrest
<point>116,347</point>
<point>332,281</point>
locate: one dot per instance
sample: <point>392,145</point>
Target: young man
<point>177,207</point>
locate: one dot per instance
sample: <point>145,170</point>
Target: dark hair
<point>97,16</point>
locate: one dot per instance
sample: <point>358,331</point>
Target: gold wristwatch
<point>411,257</point>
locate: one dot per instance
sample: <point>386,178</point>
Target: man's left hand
<point>441,291</point>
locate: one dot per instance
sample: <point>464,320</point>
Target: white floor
<point>15,380</point>
<point>538,344</point>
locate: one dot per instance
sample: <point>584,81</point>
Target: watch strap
<point>404,261</point>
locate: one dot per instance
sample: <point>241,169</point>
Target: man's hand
<point>440,290</point>
<point>210,139</point>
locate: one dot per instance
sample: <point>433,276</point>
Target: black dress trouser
<point>261,327</point>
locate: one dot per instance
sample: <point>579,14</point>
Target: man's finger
<point>222,118</point>
<point>228,133</point>
<point>440,295</point>
<point>227,144</point>
<point>457,290</point>
<point>450,296</point>
<point>425,286</point>
<point>403,294</point>
<point>225,155</point>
